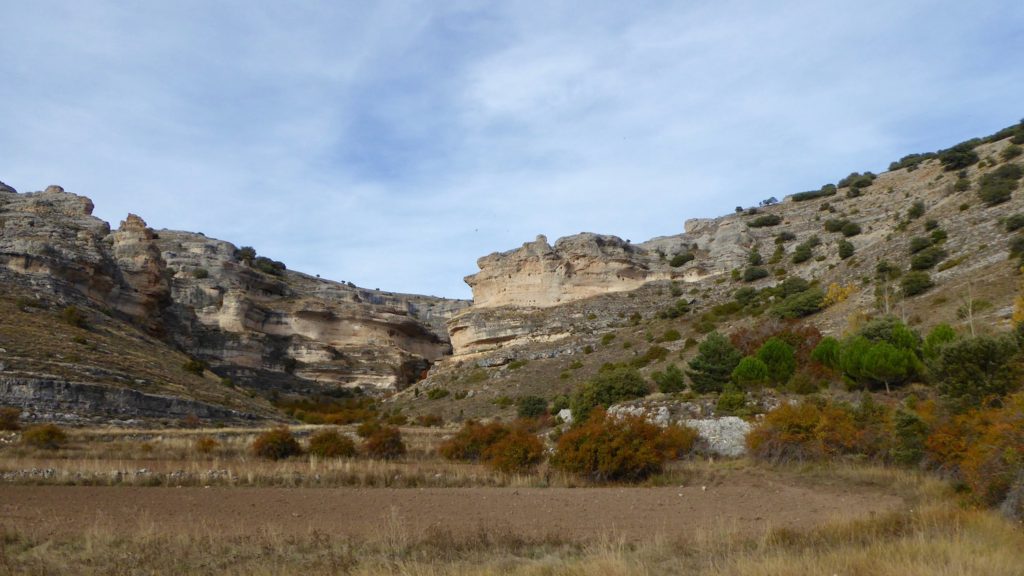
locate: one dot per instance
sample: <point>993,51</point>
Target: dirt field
<point>743,502</point>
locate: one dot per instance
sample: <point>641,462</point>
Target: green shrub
<point>846,249</point>
<point>754,258</point>
<point>835,225</point>
<point>711,369</point>
<point>916,210</point>
<point>857,180</point>
<point>779,358</point>
<point>753,273</point>
<point>670,335</point>
<point>681,259</point>
<point>971,371</point>
<point>732,402</point>
<point>800,304</point>
<point>927,258</point>
<point>331,444</point>
<point>939,336</point>
<point>531,406</point>
<point>919,243</point>
<point>825,191</point>
<point>200,273</point>
<point>386,443</point>
<point>765,220</point>
<point>803,253</point>
<point>958,157</point>
<point>630,449</point>
<point>245,254</point>
<point>910,432</point>
<point>1011,152</point>
<point>827,352</point>
<point>437,393</point>
<point>44,436</point>
<point>680,308</point>
<point>1014,222</point>
<point>10,418</point>
<point>669,381</point>
<point>850,229</point>
<point>784,236</point>
<point>276,444</point>
<point>751,372</point>
<point>962,185</point>
<point>998,186</point>
<point>606,388</point>
<point>607,339</point>
<point>268,266</point>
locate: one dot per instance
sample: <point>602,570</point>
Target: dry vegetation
<point>933,535</point>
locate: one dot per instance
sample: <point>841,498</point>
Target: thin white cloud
<point>393,143</point>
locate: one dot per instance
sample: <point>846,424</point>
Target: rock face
<point>265,329</point>
<point>79,403</point>
<point>581,266</point>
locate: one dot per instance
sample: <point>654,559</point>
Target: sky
<point>392,143</point>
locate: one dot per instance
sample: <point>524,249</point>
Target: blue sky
<point>393,143</point>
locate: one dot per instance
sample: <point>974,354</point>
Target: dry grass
<point>936,538</point>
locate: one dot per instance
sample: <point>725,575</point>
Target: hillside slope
<point>942,245</point>
<point>127,309</point>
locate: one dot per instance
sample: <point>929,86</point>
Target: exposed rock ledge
<point>79,403</point>
<point>580,266</point>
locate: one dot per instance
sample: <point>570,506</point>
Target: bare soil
<point>744,502</point>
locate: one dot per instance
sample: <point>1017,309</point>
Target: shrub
<point>1011,152</point>
<point>919,243</point>
<point>857,180</point>
<point>437,393</point>
<point>827,352</point>
<point>276,444</point>
<point>846,249</point>
<point>72,316</point>
<point>916,210</point>
<point>470,442</point>
<point>680,308</point>
<point>268,266</point>
<point>784,236</point>
<point>1014,222</point>
<point>765,220</point>
<point>516,452</point>
<point>193,366</point>
<point>10,418</point>
<point>971,371</point>
<point>670,335</point>
<point>779,359</point>
<point>914,283</point>
<point>681,259</point>
<point>927,258</point>
<point>800,304</point>
<point>998,186</point>
<point>938,337</point>
<point>205,444</point>
<point>751,372</point>
<point>825,191</point>
<point>331,444</point>
<point>386,444</point>
<point>753,273</point>
<point>366,428</point>
<point>430,420</point>
<point>629,449</point>
<point>200,273</point>
<point>754,258</point>
<point>608,387</point>
<point>850,229</point>
<point>834,225</point>
<point>45,436</point>
<point>531,406</point>
<point>669,381</point>
<point>732,402</point>
<point>711,369</point>
<point>245,254</point>
<point>958,157</point>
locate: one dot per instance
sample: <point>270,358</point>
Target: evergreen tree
<point>712,367</point>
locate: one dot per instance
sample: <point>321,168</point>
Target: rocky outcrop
<point>718,435</point>
<point>576,267</point>
<point>265,329</point>
<point>80,403</point>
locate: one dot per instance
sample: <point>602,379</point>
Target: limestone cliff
<point>266,330</point>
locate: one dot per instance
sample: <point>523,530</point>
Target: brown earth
<point>745,503</point>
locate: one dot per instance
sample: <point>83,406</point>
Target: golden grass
<point>939,538</point>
